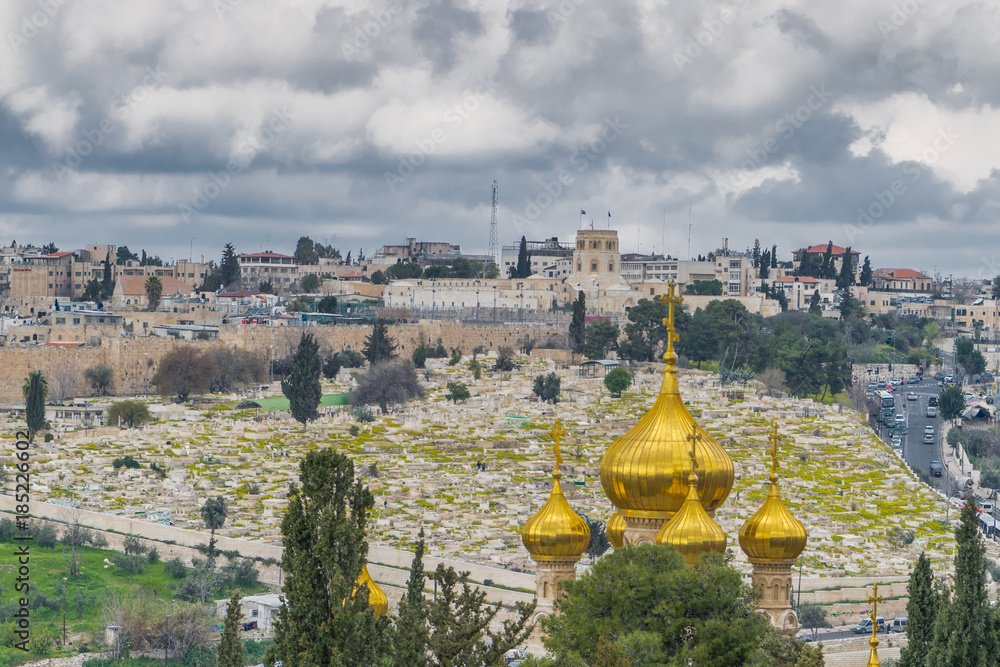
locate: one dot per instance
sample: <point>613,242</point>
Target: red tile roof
<point>821,248</point>
<point>796,279</point>
<point>56,255</point>
<point>900,273</point>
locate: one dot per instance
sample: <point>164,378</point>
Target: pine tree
<point>230,266</point>
<point>230,650</point>
<point>578,323</point>
<point>379,345</point>
<point>814,303</point>
<point>35,390</point>
<point>523,260</point>
<point>765,265</point>
<point>963,632</point>
<point>921,612</point>
<point>755,255</point>
<point>411,635</point>
<point>865,280</point>
<point>327,619</point>
<point>107,281</point>
<point>302,387</point>
<point>774,256</point>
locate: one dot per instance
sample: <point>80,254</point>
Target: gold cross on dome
<point>774,451</point>
<point>694,438</point>
<point>556,432</point>
<point>670,299</point>
<point>874,599</point>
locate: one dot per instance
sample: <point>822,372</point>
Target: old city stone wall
<point>134,359</point>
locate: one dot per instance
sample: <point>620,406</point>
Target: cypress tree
<point>523,260</point>
<point>412,633</point>
<point>230,651</point>
<point>865,279</point>
<point>963,631</point>
<point>35,390</point>
<point>577,324</point>
<point>921,612</point>
<point>327,619</point>
<point>774,256</point>
<point>230,266</point>
<point>846,277</point>
<point>302,387</point>
<point>827,266</point>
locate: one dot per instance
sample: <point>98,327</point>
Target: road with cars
<point>918,454</point>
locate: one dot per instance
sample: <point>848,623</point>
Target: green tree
<point>214,513</point>
<point>183,371</point>
<point>309,283</point>
<point>705,287</point>
<point>505,358</point>
<point>305,251</point>
<point>865,279</point>
<point>578,323</point>
<point>460,619</point>
<point>327,620</point>
<point>378,278</point>
<point>951,402</point>
<point>131,413</point>
<point>230,650</point>
<point>814,307</point>
<point>35,389</point>
<point>617,381</point>
<point>411,632</point>
<point>123,254</point>
<point>328,304</point>
<point>963,631</point>
<point>265,286</point>
<point>491,271</point>
<point>812,617</point>
<point>229,268</point>
<point>846,277</point>
<point>101,379</point>
<point>921,612</point>
<point>996,288</point>
<point>645,330</point>
<point>547,388</point>
<point>404,271</point>
<point>828,268</point>
<point>457,391</point>
<point>154,289</point>
<point>931,331</point>
<point>419,357</point>
<point>599,337</point>
<point>302,387</point>
<point>379,345</point>
<point>599,542</point>
<point>704,613</point>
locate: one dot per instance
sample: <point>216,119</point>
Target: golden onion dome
<point>691,531</point>
<point>556,532</point>
<point>773,533</point>
<point>376,596</point>
<point>644,472</point>
<point>616,530</point>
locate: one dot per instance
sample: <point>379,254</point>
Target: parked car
<point>931,411</point>
<point>866,625</point>
<point>936,469</point>
<point>897,442</point>
<point>898,625</point>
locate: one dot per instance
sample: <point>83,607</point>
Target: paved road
<point>834,635</point>
<point>916,453</point>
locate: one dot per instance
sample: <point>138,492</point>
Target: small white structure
<point>260,608</point>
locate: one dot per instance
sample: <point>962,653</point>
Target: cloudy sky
<point>179,124</point>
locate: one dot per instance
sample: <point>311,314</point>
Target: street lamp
<point>494,304</point>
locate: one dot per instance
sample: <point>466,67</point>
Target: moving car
<point>866,625</point>
<point>929,429</point>
<point>928,438</point>
<point>935,468</point>
<point>931,411</point>
<point>911,396</point>
<point>913,379</point>
<point>897,442</point>
<point>933,400</point>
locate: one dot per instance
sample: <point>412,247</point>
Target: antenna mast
<point>689,228</point>
<point>494,232</point>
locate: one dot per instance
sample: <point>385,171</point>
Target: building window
<point>734,287</point>
<point>593,268</point>
<point>579,267</point>
<point>60,320</point>
<point>734,264</point>
<point>76,320</point>
<point>611,266</point>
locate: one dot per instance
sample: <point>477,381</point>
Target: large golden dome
<point>556,532</point>
<point>773,533</point>
<point>615,530</point>
<point>644,472</point>
<point>376,596</point>
<point>691,531</point>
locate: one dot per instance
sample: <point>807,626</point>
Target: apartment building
<point>280,270</point>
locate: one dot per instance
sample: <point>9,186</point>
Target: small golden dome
<point>556,532</point>
<point>616,530</point>
<point>644,472</point>
<point>691,531</point>
<point>773,533</point>
<point>376,596</point>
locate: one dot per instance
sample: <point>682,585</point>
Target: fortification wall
<point>134,359</point>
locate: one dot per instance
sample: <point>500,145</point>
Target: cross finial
<point>670,299</point>
<point>874,599</point>
<point>556,432</point>
<point>774,453</point>
<point>694,438</point>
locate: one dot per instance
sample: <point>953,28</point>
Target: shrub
<point>126,462</point>
<point>130,564</point>
<point>617,381</point>
<point>350,359</point>
<point>547,387</point>
<point>505,358</point>
<point>175,568</point>
<point>363,414</point>
<point>153,556</point>
<point>457,391</point>
<point>45,536</point>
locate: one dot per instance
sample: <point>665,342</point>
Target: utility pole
<point>166,642</point>
<point>494,228</point>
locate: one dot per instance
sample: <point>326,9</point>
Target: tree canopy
<point>379,345</point>
<point>386,384</point>
<point>302,387</point>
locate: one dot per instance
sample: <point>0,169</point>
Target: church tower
<point>556,538</point>
<point>772,539</point>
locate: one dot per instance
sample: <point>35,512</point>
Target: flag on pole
<point>582,212</point>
